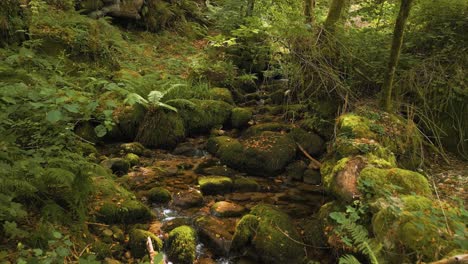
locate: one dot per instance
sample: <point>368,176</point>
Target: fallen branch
<point>315,162</point>
<point>149,247</point>
<point>96,224</point>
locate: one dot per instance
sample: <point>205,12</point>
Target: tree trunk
<point>250,8</point>
<point>309,6</point>
<point>334,14</point>
<point>397,43</point>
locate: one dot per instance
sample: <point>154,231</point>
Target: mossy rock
<point>393,181</point>
<point>240,117</point>
<point>128,119</point>
<point>229,150</point>
<point>268,153</point>
<point>244,184</point>
<point>215,184</point>
<point>227,209</point>
<point>272,126</point>
<point>159,195</point>
<point>161,129</point>
<point>118,166</point>
<point>137,242</point>
<point>261,234</point>
<point>295,170</point>
<point>221,94</point>
<point>116,205</point>
<point>133,159</point>
<point>201,116</point>
<point>418,228</point>
<point>181,245</point>
<point>133,147</point>
<point>311,142</point>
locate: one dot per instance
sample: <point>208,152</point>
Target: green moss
<point>268,153</point>
<point>414,225</point>
<point>215,184</point>
<point>244,184</point>
<point>262,233</point>
<point>118,166</point>
<point>202,115</point>
<point>137,242</point>
<point>393,181</point>
<point>229,150</point>
<point>181,245</point>
<point>330,168</point>
<point>221,94</point>
<point>355,126</point>
<point>133,147</point>
<point>133,159</point>
<point>159,195</point>
<point>240,117</point>
<point>128,119</point>
<point>161,128</point>
<point>273,126</point>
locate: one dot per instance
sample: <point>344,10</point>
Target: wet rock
<point>215,184</point>
<point>189,150</point>
<point>215,233</point>
<point>118,166</point>
<point>227,209</point>
<point>181,245</point>
<point>221,170</point>
<point>168,226</point>
<point>161,129</point>
<point>312,143</point>
<point>312,176</point>
<point>137,242</point>
<point>240,197</point>
<point>158,195</point>
<point>188,199</point>
<point>261,234</point>
<point>244,184</point>
<point>240,117</point>
<point>295,170</point>
<point>133,147</point>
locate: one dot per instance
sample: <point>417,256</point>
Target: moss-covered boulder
<point>161,129</point>
<point>268,153</point>
<point>118,166</point>
<point>295,170</point>
<point>181,245</point>
<point>113,204</point>
<point>137,242</point>
<point>415,227</point>
<point>262,234</point>
<point>221,94</point>
<point>229,150</point>
<point>128,119</point>
<point>200,116</point>
<point>272,126</point>
<point>393,181</point>
<point>133,159</point>
<point>158,195</point>
<point>240,117</point>
<point>215,184</point>
<point>133,147</point>
<point>310,142</point>
<point>244,184</point>
<point>227,209</point>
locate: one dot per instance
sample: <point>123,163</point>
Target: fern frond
<point>58,176</point>
<point>349,259</point>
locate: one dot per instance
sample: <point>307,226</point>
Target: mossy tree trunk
<point>250,8</point>
<point>334,14</point>
<point>309,6</point>
<point>397,43</point>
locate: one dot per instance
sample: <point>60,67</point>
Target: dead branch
<point>316,163</point>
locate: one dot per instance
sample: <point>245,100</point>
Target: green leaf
<point>56,234</point>
<point>134,98</point>
<point>72,108</point>
<point>100,130</point>
<point>37,252</point>
<point>167,106</point>
<point>54,116</point>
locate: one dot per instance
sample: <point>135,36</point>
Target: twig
<point>96,224</point>
<point>83,251</point>
<point>316,162</point>
<point>149,247</point>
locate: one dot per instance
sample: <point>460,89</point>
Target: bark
<point>397,43</point>
<point>334,14</point>
<point>309,6</point>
